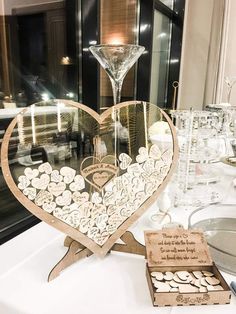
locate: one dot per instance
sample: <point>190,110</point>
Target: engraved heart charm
<point>68,174</point>
<point>125,161</point>
<point>105,183</point>
<point>30,174</point>
<point>45,167</point>
<point>30,192</point>
<point>23,182</point>
<point>55,176</point>
<point>80,198</point>
<point>99,173</point>
<point>41,183</point>
<point>56,188</point>
<point>78,183</point>
<point>64,199</point>
<point>101,178</point>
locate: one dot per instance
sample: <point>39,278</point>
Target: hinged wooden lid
<point>177,247</point>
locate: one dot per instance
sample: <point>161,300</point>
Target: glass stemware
<point>116,60</point>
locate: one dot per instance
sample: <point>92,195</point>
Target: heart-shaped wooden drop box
<point>121,163</point>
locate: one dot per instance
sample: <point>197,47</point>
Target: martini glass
<point>116,60</point>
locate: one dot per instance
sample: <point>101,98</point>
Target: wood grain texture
<point>176,250</point>
<point>60,225</point>
<point>72,255</point>
<point>131,245</point>
<point>177,247</point>
<point>195,298</point>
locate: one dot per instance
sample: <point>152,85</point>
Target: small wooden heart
<point>45,167</point>
<point>64,199</point>
<point>68,173</point>
<point>43,197</point>
<point>56,188</point>
<point>55,176</point>
<point>143,155</point>
<point>125,161</point>
<point>96,198</point>
<point>80,198</point>
<point>23,182</point>
<point>49,207</point>
<point>30,192</point>
<point>155,152</point>
<point>41,183</point>
<point>78,183</point>
<point>31,173</point>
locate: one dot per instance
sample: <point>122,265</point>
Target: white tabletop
<point>115,284</point>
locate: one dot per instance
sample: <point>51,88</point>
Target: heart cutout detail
<point>99,173</point>
<point>98,200</point>
<point>100,179</point>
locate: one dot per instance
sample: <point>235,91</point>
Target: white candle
<point>159,127</point>
<point>33,124</point>
<point>145,123</point>
<point>59,117</point>
<point>20,126</point>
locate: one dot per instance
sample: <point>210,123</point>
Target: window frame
<point>147,9</point>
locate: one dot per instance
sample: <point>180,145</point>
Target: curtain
<point>214,52</point>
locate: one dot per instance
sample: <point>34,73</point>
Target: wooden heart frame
<point>59,224</point>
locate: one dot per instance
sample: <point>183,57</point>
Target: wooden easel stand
<point>77,251</point>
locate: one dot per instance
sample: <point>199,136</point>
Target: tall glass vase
<point>116,60</point>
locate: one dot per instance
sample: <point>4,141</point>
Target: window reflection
<point>36,64</point>
<point>160,59</point>
<point>168,3</point>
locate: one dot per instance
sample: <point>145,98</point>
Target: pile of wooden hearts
<point>63,193</point>
<point>185,282</point>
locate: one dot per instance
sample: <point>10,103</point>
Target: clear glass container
<point>218,223</point>
<point>201,145</point>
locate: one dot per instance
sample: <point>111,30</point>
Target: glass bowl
<point>218,223</point>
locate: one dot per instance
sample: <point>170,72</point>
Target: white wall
<point>195,47</point>
<point>8,5</point>
<point>230,54</point>
<point>1,7</point>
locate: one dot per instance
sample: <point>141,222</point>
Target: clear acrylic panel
<point>74,164</point>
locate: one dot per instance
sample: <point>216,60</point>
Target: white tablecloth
<point>115,284</point>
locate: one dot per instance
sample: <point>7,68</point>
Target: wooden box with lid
<point>180,270</point>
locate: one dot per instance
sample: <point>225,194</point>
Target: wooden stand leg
<point>68,241</point>
<point>131,245</point>
<point>77,251</point>
<point>71,256</point>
